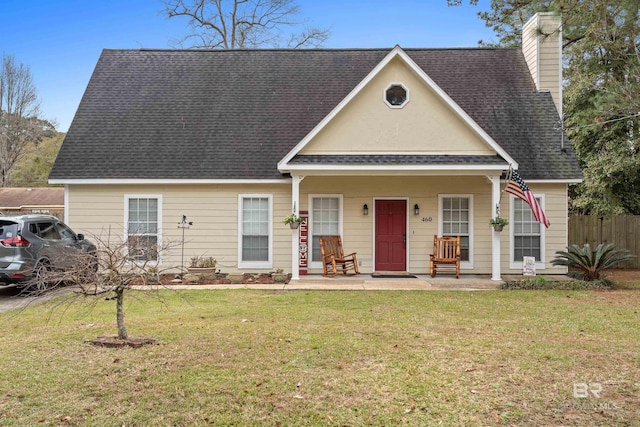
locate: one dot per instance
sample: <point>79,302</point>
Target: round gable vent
<point>396,95</point>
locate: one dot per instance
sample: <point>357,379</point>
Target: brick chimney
<point>542,49</point>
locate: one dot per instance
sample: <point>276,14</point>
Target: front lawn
<point>274,358</point>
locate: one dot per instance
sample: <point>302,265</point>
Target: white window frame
<point>465,265</point>
<point>517,265</point>
<point>389,86</point>
<point>158,197</point>
<point>255,264</point>
<point>318,264</point>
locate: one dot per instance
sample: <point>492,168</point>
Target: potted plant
<point>293,220</point>
<point>278,276</point>
<point>202,265</point>
<point>153,275</point>
<point>498,223</point>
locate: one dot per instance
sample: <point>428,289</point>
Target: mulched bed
<point>610,279</point>
<point>220,279</point>
<point>113,341</point>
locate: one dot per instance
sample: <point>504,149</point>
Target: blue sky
<point>61,40</point>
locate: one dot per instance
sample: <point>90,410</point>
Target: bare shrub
<point>116,267</point>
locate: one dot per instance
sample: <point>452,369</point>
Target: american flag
<point>518,188</point>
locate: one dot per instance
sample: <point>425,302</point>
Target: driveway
<point>10,298</point>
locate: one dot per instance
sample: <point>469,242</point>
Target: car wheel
<point>94,265</point>
<point>41,280</point>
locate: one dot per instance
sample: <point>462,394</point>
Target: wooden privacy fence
<point>622,230</point>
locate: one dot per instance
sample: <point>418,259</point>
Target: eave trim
<point>111,181</point>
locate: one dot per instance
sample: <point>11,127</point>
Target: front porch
<point>390,221</point>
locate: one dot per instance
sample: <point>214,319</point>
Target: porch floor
<point>420,282</point>
<point>368,283</point>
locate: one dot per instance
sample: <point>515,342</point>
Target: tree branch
<point>234,24</point>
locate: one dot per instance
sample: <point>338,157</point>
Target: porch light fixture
<point>416,209</point>
<point>365,210</point>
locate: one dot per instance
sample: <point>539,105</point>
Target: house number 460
<point>427,219</point>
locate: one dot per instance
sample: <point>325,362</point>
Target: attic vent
<point>396,95</point>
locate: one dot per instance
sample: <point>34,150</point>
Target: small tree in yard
<point>590,264</point>
<point>115,268</point>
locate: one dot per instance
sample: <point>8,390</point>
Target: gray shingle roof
<point>185,114</point>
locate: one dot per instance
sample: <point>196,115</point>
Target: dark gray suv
<point>29,243</point>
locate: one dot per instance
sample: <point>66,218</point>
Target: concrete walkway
<point>366,282</point>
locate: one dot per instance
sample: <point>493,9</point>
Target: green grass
<point>542,283</point>
<point>328,358</point>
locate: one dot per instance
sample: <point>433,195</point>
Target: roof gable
<point>430,123</point>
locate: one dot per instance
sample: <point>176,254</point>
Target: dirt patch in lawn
<point>623,276</point>
<point>624,279</point>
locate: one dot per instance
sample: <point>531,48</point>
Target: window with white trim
<point>325,221</point>
<point>396,95</point>
<point>455,215</point>
<point>255,231</point>
<point>527,232</point>
<point>143,230</point>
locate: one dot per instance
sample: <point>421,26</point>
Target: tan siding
<point>555,207</point>
<point>530,49</point>
<point>550,55</point>
<point>214,211</point>
<point>543,54</point>
<point>212,208</point>
<point>383,129</point>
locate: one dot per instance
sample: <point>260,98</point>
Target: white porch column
<point>295,208</point>
<point>495,235</point>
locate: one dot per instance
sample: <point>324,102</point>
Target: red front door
<point>391,235</point>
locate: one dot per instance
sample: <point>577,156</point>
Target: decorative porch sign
<point>303,243</point>
<point>528,266</point>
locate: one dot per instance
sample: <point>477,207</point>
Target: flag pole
<point>506,182</point>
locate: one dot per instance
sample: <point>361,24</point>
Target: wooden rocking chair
<point>333,256</point>
<point>446,254</point>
